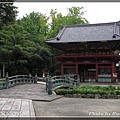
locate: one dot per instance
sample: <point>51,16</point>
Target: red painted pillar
<point>62,69</point>
<point>115,67</point>
<point>96,72</point>
<point>76,69</point>
<point>113,70</point>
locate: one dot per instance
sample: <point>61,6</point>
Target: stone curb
<point>94,96</point>
<point>49,100</point>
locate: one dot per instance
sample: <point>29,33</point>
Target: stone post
<point>49,85</point>
<point>46,80</point>
<point>78,83</point>
<point>7,80</point>
<point>30,75</point>
<point>35,77</point>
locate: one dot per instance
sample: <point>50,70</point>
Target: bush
<point>118,87</point>
<point>61,91</point>
<point>96,87</point>
<point>87,89</point>
<point>117,92</point>
<point>94,91</point>
<point>110,87</point>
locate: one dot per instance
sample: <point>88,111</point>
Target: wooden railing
<point>87,54</point>
<point>52,82</point>
<point>17,80</point>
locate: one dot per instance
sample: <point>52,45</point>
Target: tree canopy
<point>22,47</point>
<point>8,13</point>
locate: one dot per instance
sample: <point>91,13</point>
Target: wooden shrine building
<point>89,50</point>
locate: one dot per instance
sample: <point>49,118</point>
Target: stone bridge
<point>55,81</point>
<point>28,91</point>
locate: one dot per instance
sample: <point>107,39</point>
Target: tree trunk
<point>3,69</point>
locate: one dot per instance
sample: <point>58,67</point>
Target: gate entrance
<point>87,73</point>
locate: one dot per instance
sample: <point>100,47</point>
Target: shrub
<point>94,91</point>
<point>80,91</point>
<point>70,91</point>
<point>110,87</point>
<point>87,89</point>
<point>117,92</point>
<point>61,91</point>
<point>118,87</point>
<point>96,87</point>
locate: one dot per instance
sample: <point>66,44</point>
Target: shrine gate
<point>89,51</point>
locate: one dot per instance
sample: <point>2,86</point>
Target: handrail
<point>17,80</point>
<point>52,82</point>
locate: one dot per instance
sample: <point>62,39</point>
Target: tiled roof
<point>88,33</point>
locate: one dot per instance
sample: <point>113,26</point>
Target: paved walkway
<point>17,101</point>
<point>79,107</point>
<point>18,108</point>
<point>28,91</point>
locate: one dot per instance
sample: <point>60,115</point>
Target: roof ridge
<point>60,33</point>
<point>85,25</point>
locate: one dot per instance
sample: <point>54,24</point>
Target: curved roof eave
<point>87,33</point>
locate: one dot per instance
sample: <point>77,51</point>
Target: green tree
<point>8,13</point>
<point>74,16</point>
<point>22,47</point>
<point>36,26</point>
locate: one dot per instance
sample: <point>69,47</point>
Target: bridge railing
<point>17,80</point>
<point>2,84</point>
<point>66,81</point>
<point>52,82</point>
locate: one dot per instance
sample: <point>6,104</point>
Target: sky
<point>96,12</point>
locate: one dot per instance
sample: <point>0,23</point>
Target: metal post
<point>7,81</point>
